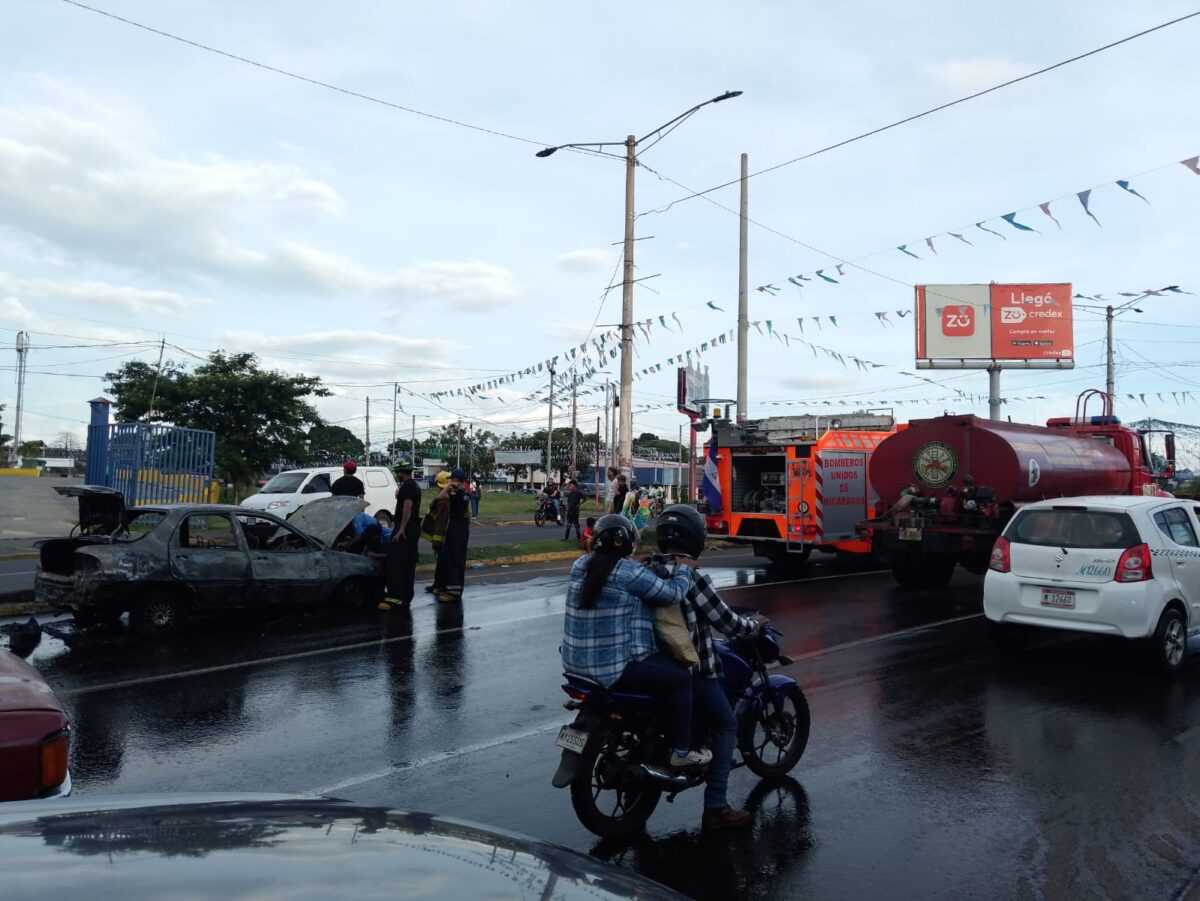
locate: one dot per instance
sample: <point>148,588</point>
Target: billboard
<point>690,389</point>
<point>985,325</point>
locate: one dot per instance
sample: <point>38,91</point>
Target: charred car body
<point>163,563</point>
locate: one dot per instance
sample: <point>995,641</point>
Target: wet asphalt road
<point>936,768</point>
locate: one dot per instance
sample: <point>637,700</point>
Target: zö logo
<point>958,322</point>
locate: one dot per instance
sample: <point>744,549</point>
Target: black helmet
<point>681,528</point>
<point>614,536</point>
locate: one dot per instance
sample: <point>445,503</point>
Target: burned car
<point>162,564</point>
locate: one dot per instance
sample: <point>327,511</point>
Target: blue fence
<point>152,464</point>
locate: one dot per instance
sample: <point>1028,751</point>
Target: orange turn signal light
<point>54,752</point>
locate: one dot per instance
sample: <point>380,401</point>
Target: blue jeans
<point>475,505</point>
<point>715,716</point>
<point>671,684</point>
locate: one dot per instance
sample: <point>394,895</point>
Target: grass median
<point>533,548</point>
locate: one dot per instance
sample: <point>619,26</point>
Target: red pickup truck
<point>35,734</point>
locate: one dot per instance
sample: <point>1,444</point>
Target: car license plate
<point>910,534</point>
<point>1058,597</point>
<point>572,739</point>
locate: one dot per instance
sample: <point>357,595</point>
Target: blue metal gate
<point>152,464</point>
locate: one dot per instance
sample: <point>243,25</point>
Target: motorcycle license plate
<point>910,534</point>
<point>572,739</point>
<point>1063,599</point>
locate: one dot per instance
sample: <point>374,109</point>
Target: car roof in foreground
<point>241,846</point>
<point>1103,502</point>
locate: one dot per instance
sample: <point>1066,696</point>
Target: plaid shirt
<point>703,611</point>
<point>599,642</point>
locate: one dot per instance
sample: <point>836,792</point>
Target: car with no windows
<point>1122,566</point>
<point>163,564</point>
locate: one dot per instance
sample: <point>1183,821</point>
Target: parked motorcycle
<point>615,756</point>
<point>546,512</point>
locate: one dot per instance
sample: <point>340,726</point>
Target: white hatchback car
<point>1124,566</point>
<point>288,491</point>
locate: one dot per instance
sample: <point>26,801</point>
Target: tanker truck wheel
<point>921,571</point>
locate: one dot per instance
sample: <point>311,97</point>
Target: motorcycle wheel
<point>604,807</point>
<point>774,741</point>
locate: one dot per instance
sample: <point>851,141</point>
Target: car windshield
<point>284,483</point>
<point>1073,527</point>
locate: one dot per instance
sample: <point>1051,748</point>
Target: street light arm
<point>728,95</point>
<point>588,146</point>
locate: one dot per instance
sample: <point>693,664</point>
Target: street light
<point>625,447</point>
<point>1110,313</point>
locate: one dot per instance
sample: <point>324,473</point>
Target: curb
<point>24,555</point>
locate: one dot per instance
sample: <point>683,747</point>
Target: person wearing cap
<point>452,562</point>
<point>401,566</point>
<point>433,526</point>
<point>349,485</point>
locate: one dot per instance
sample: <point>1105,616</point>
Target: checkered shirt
<point>704,611</point>
<point>599,642</point>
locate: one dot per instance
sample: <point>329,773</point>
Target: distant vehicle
<point>288,491</point>
<point>35,736</point>
<point>254,846</point>
<point>163,564</point>
<point>1112,565</point>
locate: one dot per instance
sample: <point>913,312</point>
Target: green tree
<point>259,416</point>
<point>333,444</point>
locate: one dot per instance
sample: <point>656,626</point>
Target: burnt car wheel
<point>159,613</point>
<point>354,594</point>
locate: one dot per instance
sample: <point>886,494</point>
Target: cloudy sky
<point>151,192</point>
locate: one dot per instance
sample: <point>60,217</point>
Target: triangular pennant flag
<point>929,244</point>
<point>817,320</point>
<point>1124,184</point>
<point>712,305</point>
<point>903,248</point>
<point>882,317</point>
<point>1083,199</point>
<point>1045,208</point>
<point>800,322</point>
<point>662,320</point>
<point>960,237</point>
<point>903,313</point>
<point>675,316</point>
<point>1011,219</point>
<point>1193,164</point>
<point>794,281</point>
<point>979,225</point>
<point>833,319</point>
<point>839,269</point>
<point>769,289</point>
<point>768,322</point>
<point>757,325</point>
<point>821,274</point>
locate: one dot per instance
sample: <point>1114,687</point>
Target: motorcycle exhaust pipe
<point>660,778</point>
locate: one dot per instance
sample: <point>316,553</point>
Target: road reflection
<point>742,863</point>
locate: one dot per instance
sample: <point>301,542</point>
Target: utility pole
<point>596,465</point>
<point>743,321</point>
<point>574,429</point>
<point>625,454</point>
<point>613,449</point>
<point>1110,382</point>
<point>368,446</point>
<point>679,469</point>
<point>458,445</point>
<point>162,346</point>
<point>22,353</point>
<point>413,450</point>
<point>607,442</point>
<point>395,404</point>
<point>550,427</point>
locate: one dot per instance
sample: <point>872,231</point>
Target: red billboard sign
<point>1032,322</point>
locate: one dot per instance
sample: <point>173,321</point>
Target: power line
<point>313,81</point>
<point>931,110</point>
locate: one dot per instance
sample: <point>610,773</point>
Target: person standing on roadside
<point>433,526</point>
<point>476,491</point>
<point>451,575</point>
<point>618,499</point>
<point>610,487</point>
<point>349,485</point>
<point>401,565</point>
<point>574,502</point>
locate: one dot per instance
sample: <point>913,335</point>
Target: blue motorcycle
<point>614,756</point>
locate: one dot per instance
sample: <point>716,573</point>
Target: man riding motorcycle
<point>681,533</point>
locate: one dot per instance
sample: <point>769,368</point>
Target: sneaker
<point>444,597</point>
<point>703,757</point>
<point>388,604</point>
<point>723,818</point>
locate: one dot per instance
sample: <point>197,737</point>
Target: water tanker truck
<point>948,486</point>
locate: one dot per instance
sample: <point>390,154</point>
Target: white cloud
<point>967,75</point>
<point>95,295</point>
<point>587,260</point>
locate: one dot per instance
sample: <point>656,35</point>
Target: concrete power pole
<point>550,428</point>
<point>743,321</point>
<point>368,445</point>
<point>395,405</point>
<point>574,429</point>
<point>1110,382</point>
<point>458,446</point>
<point>22,353</point>
<point>625,454</point>
<point>607,441</point>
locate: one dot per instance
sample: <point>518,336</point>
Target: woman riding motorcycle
<point>609,631</point>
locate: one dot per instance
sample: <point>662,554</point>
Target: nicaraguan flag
<point>710,484</point>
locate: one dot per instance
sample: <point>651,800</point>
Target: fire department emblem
<point>935,463</point>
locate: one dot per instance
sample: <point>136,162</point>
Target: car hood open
<point>101,509</point>
<point>325,519</point>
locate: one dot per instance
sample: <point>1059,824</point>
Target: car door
<point>207,554</point>
<point>1177,533</point>
<point>286,566</point>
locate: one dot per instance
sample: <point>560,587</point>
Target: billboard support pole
<point>743,318</point>
<point>994,392</point>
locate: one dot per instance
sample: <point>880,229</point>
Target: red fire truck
<point>793,483</point>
